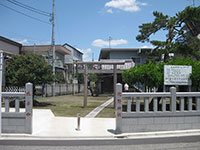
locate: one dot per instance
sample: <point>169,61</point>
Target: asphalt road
<point>169,143</point>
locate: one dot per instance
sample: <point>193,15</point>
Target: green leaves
<point>147,74</point>
<point>152,75</point>
<point>28,68</point>
<point>182,29</point>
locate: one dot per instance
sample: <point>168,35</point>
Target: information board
<point>177,75</point>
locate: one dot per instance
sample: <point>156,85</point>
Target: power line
<point>24,14</point>
<point>38,11</point>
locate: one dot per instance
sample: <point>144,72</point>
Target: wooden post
<point>85,85</point>
<point>114,82</point>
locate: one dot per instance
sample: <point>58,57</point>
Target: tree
<point>182,31</point>
<point>149,75</point>
<point>152,74</point>
<point>59,77</point>
<point>93,80</point>
<point>28,68</point>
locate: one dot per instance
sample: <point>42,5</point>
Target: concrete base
<point>152,124</point>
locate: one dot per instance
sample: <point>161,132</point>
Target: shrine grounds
<point>71,105</point>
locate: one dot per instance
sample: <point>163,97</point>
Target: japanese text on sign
<point>177,75</point>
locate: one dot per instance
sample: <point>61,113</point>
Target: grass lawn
<point>70,105</point>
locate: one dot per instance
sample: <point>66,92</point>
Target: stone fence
<point>18,120</point>
<point>161,111</point>
<point>60,89</point>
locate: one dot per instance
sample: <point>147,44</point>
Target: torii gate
<point>86,71</point>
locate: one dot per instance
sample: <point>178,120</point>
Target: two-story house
<point>136,55</point>
<point>75,56</point>
<point>75,53</point>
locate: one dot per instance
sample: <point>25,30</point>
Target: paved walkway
<point>47,126</point>
<point>97,110</point>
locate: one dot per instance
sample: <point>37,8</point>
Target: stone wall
<point>160,123</point>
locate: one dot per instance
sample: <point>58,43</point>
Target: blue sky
<point>85,24</point>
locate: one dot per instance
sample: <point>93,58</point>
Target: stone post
<point>173,99</point>
<point>118,108</point>
<point>29,106</point>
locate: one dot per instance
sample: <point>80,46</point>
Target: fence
<point>161,111</point>
<point>19,120</point>
<point>60,89</point>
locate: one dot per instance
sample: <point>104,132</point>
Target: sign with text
<point>177,75</point>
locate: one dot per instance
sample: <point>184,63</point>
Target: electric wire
<point>25,14</point>
<point>38,11</point>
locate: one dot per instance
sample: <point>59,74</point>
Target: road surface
<point>168,143</point>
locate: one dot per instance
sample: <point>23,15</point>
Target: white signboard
<point>177,75</point>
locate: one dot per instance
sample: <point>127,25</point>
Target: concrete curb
<point>159,134</point>
<point>143,135</point>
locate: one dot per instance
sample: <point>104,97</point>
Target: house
<point>46,52</point>
<point>75,53</point>
<point>75,56</point>
<point>10,47</point>
<point>136,55</point>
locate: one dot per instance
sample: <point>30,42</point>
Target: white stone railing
<point>19,120</point>
<point>138,112</point>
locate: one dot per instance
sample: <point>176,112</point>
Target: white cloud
<point>110,11</point>
<point>31,42</point>
<point>86,53</point>
<point>24,41</point>
<point>102,43</point>
<point>42,43</point>
<point>125,5</point>
<point>151,46</point>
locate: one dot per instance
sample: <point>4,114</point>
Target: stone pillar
<point>173,99</point>
<point>114,82</point>
<point>28,107</point>
<point>118,108</point>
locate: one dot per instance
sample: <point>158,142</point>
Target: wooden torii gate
<point>99,63</point>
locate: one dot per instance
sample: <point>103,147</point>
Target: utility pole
<point>92,56</point>
<point>34,49</point>
<point>53,45</point>
<point>109,39</point>
<point>1,74</point>
<point>193,3</point>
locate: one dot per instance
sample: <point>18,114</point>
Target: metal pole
<point>53,44</point>
<point>78,122</point>
<point>1,68</point>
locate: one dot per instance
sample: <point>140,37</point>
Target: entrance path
<point>97,110</point>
